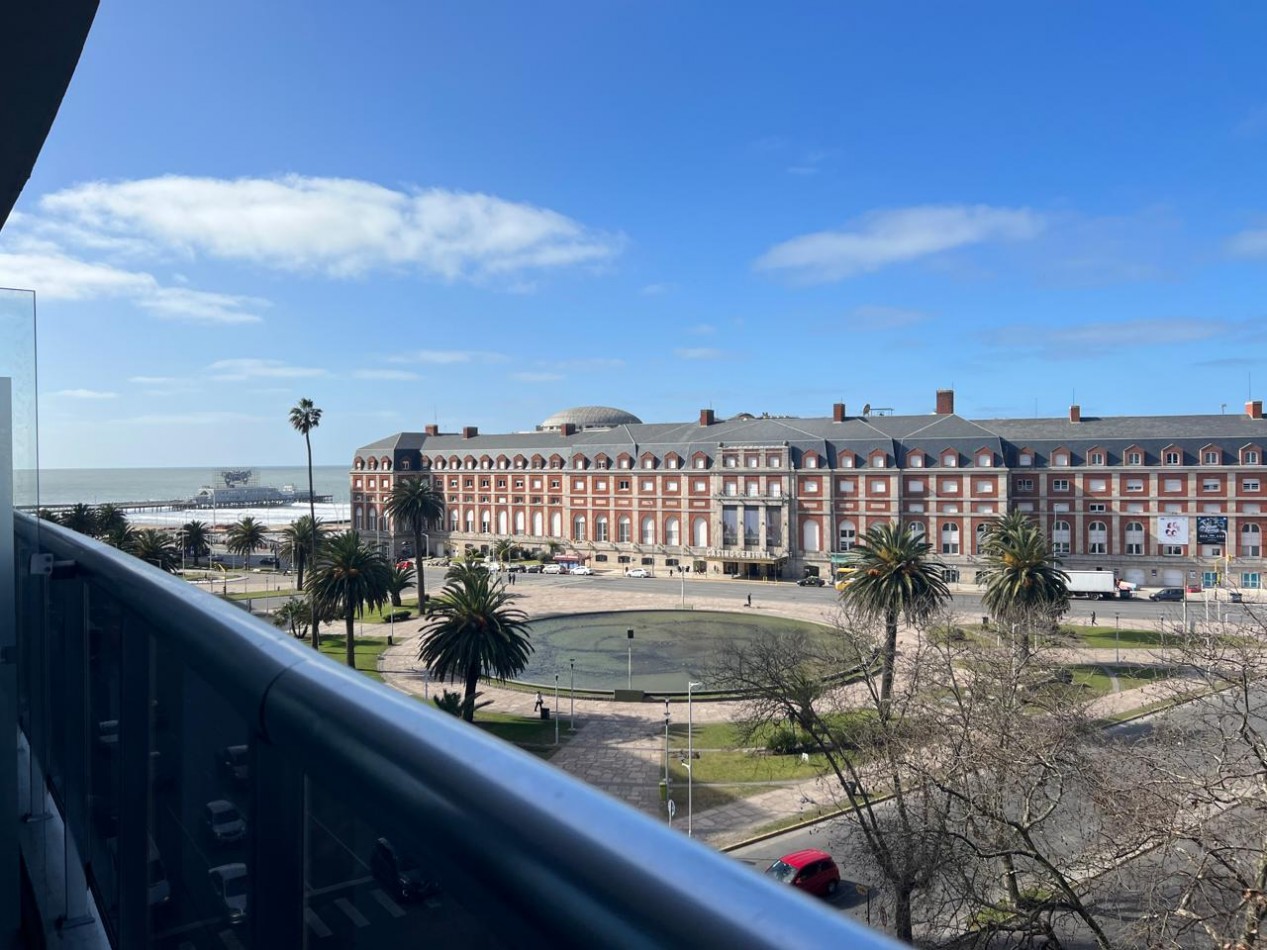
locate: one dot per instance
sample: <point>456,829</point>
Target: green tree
<point>298,541</point>
<point>121,536</point>
<point>155,547</point>
<point>503,550</point>
<point>347,577</point>
<point>109,518</point>
<point>304,417</point>
<point>402,578</point>
<point>1024,585</point>
<point>416,503</point>
<point>895,577</point>
<point>294,615</point>
<point>81,518</point>
<point>195,537</point>
<point>473,632</point>
<point>245,536</point>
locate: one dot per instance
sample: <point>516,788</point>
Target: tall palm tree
<point>895,577</point>
<point>109,518</point>
<point>347,577</point>
<point>195,537</point>
<point>155,547</point>
<point>81,518</point>
<point>473,632</point>
<point>245,536</point>
<point>121,536</point>
<point>298,542</point>
<point>1023,582</point>
<point>304,417</point>
<point>416,503</point>
<point>294,616</point>
<point>503,550</point>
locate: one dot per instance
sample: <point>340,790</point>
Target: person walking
<point>536,707</point>
<point>1093,618</point>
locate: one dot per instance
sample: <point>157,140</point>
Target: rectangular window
<point>1249,484</point>
<point>1097,547</point>
<point>648,463</point>
<point>846,461</point>
<point>648,485</point>
<point>1096,458</point>
<point>1060,547</point>
<point>914,484</point>
<point>1025,506</point>
<point>1172,458</point>
<point>1210,458</point>
<point>730,461</point>
<point>879,488</point>
<point>1251,580</point>
<point>1209,484</point>
<point>772,461</point>
<point>1134,484</point>
<point>751,461</point>
<point>1060,484</point>
<point>1174,484</point>
<point>699,486</point>
<point>600,484</point>
<point>622,485</point>
<point>671,485</point>
<point>554,484</point>
<point>1134,458</point>
<point>1026,459</point>
<point>1097,506</point>
<point>1251,458</point>
<point>846,485</point>
<point>1060,506</point>
<point>578,484</point>
<point>1173,507</point>
<point>916,461</point>
<point>985,488</point>
<point>1134,547</point>
<point>811,486</point>
<point>1097,484</point>
<point>916,506</point>
<point>1024,484</point>
<point>1172,550</point>
<point>949,487</point>
<point>877,461</point>
<point>700,462</point>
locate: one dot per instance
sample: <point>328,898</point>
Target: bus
<point>843,576</point>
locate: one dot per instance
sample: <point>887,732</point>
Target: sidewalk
<point>619,747</point>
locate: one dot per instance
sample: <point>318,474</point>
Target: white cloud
<point>154,380</point>
<point>1251,243</point>
<point>1077,341</point>
<point>384,374</point>
<point>448,357</point>
<point>235,370</point>
<point>891,237</point>
<point>338,226</point>
<point>84,394</point>
<point>536,377</point>
<point>200,306</point>
<point>698,353</point>
<point>886,317</point>
<point>655,290</point>
<point>702,329</point>
<point>593,364</point>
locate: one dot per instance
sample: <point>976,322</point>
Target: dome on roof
<point>591,417</point>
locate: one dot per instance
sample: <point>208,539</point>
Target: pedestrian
<point>536,707</point>
<point>749,603</point>
<point>1093,618</point>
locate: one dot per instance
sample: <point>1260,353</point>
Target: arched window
<point>848,536</point>
<point>503,523</point>
<point>556,524</point>
<point>578,528</point>
<point>486,522</point>
<point>624,529</point>
<point>672,532</point>
<point>470,522</point>
<point>1060,537</point>
<point>538,524</point>
<point>373,525</point>
<point>519,522</point>
<point>1097,538</point>
<point>648,530</point>
<point>811,536</point>
<point>918,530</point>
<point>600,528</point>
<point>699,529</point>
<point>950,538</point>
<point>1135,537</point>
<point>360,519</point>
<point>981,532</point>
<point>1251,541</point>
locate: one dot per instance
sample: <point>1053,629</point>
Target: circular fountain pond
<point>669,647</point>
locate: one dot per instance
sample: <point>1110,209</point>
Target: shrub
<point>783,741</point>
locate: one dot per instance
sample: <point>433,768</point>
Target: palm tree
<point>293,616</point>
<point>298,540</point>
<point>81,518</point>
<point>155,547</point>
<point>195,538</point>
<point>347,577</point>
<point>245,536</point>
<point>304,417</point>
<point>1021,575</point>
<point>109,518</point>
<point>503,550</point>
<point>121,536</point>
<point>473,632</point>
<point>416,503</point>
<point>895,577</point>
<point>401,580</point>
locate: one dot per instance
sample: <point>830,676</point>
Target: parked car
<point>267,560</point>
<point>404,564</point>
<point>582,569</point>
<point>229,883</point>
<point>812,580</point>
<point>234,762</point>
<point>552,569</point>
<point>515,569</point>
<point>223,821</point>
<point>638,572</point>
<point>1167,593</point>
<point>534,568</point>
<point>811,870</point>
<point>399,873</point>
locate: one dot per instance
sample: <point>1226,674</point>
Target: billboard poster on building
<point>1172,529</point>
<point>1212,529</point>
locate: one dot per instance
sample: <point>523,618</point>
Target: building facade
<point>1164,500</point>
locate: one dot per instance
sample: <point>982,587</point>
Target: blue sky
<point>481,213</point>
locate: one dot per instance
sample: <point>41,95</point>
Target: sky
<point>480,213</point>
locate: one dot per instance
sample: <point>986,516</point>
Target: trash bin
<point>1236,596</point>
<point>545,712</point>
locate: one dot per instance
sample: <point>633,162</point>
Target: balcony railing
<point>145,700</point>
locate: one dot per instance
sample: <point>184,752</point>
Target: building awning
<point>742,557</point>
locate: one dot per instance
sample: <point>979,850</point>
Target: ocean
<point>96,486</point>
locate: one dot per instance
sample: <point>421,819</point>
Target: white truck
<point>1095,585</point>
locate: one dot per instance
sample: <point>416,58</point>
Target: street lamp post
<point>690,755</point>
<point>391,631</point>
<point>668,802</point>
<point>556,708</point>
<point>572,694</point>
<point>629,636</point>
<point>1117,643</point>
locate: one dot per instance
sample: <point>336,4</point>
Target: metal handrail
<point>566,858</point>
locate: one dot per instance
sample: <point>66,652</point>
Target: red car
<point>810,870</point>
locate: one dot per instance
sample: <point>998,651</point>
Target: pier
<point>176,504</point>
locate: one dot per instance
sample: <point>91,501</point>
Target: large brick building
<point>1163,499</point>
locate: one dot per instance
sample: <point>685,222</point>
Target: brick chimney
<point>432,430</point>
<point>838,412</point>
<point>1254,409</point>
<point>567,428</point>
<point>945,402</point>
<point>470,432</point>
<point>706,417</point>
<point>1075,413</point>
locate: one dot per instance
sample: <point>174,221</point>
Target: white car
<point>638,572</point>
<point>581,569</point>
<point>552,569</point>
<point>229,883</point>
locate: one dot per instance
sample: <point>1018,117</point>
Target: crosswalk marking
<point>354,915</point>
<point>230,940</point>
<point>317,925</point>
<point>388,904</point>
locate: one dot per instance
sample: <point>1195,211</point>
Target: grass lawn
<point>530,733</point>
<point>1102,638</point>
<point>737,766</point>
<point>367,650</point>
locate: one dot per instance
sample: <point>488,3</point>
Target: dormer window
<point>949,459</point>
<point>811,461</point>
<point>1211,457</point>
<point>1095,458</point>
<point>1025,458</point>
<point>1173,458</point>
<point>916,461</point>
<point>1060,459</point>
<point>985,459</point>
<point>1134,458</point>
